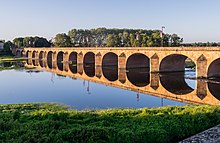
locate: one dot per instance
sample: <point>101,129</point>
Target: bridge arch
<point>110,59</point>
<point>27,53</point>
<point>41,55</point>
<point>214,69</point>
<point>214,89</point>
<point>138,69</point>
<point>110,66</point>
<point>175,83</point>
<point>172,73</point>
<point>60,60</point>
<point>73,62</point>
<point>34,54</point>
<point>89,64</point>
<point>175,63</point>
<point>49,59</point>
<point>138,60</point>
<point>35,58</point>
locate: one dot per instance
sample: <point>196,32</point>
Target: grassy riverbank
<point>10,58</point>
<point>55,123</point>
<point>6,62</point>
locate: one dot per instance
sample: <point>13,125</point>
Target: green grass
<point>44,123</point>
<point>10,58</point>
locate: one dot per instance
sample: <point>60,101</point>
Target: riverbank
<point>55,123</point>
<point>7,62</point>
<point>10,58</point>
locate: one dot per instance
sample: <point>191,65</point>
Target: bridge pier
<point>29,55</point>
<point>122,61</point>
<point>98,60</point>
<point>154,64</point>
<point>36,62</point>
<point>43,63</point>
<point>98,71</point>
<point>201,89</point>
<point>154,80</point>
<point>122,75</point>
<point>44,56</point>
<point>29,61</point>
<point>54,60</point>
<point>80,58</point>
<point>80,69</point>
<point>36,55</point>
<point>98,65</point>
<point>65,61</point>
<point>201,67</point>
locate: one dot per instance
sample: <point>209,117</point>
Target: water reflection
<point>138,77</point>
<point>60,65</point>
<point>73,68</point>
<point>110,72</point>
<point>177,86</point>
<point>214,87</point>
<point>12,64</point>
<point>89,69</point>
<point>175,83</point>
<point>6,64</point>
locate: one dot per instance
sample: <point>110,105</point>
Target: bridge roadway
<point>199,95</point>
<point>157,59</point>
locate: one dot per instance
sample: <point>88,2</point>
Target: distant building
<point>2,44</point>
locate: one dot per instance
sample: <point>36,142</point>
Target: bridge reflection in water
<point>167,85</point>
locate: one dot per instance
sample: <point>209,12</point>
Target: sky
<point>193,20</point>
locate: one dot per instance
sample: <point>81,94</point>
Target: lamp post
<point>161,35</point>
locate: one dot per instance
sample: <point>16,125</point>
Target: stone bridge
<point>136,69</point>
<point>156,59</point>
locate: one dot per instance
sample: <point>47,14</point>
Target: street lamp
<point>161,35</point>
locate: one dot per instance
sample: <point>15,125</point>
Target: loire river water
<point>34,85</point>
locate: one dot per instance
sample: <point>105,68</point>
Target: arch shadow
<point>110,66</point>
<point>73,62</point>
<point>49,59</point>
<point>60,60</point>
<point>214,69</point>
<point>89,64</point>
<point>175,83</point>
<point>138,69</point>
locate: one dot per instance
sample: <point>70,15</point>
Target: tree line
<point>21,42</point>
<point>103,37</point>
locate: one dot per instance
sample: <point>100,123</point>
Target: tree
<point>41,42</point>
<point>110,40</point>
<point>144,40</point>
<point>132,40</point>
<point>62,40</point>
<point>8,46</point>
<point>18,42</point>
<point>156,39</point>
<point>28,42</point>
<point>126,39</point>
<point>176,40</point>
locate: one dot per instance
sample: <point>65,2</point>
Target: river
<point>23,85</point>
